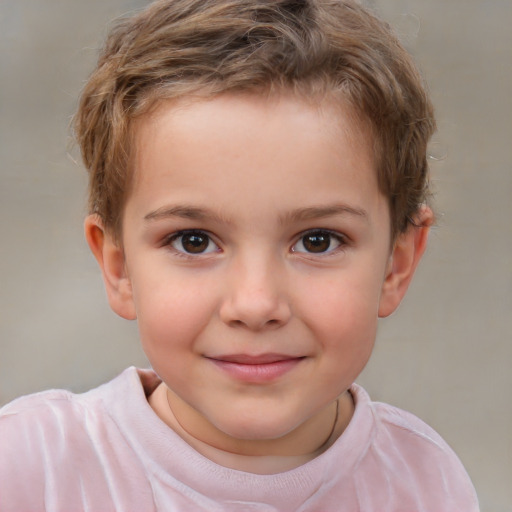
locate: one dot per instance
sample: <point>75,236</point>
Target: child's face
<point>257,258</point>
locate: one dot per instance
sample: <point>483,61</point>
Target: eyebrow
<point>183,212</point>
<point>319,212</point>
<point>300,214</point>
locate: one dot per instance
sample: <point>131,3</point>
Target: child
<point>257,186</point>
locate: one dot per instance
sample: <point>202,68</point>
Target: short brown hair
<point>177,48</point>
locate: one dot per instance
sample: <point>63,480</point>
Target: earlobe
<point>407,252</point>
<point>110,257</point>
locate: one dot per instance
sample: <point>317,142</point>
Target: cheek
<point>347,302</point>
<point>172,312</point>
<point>342,315</point>
<point>345,334</point>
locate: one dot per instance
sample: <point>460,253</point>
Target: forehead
<point>283,146</point>
<point>250,114</point>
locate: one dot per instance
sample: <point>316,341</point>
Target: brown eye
<point>318,242</point>
<point>193,242</point>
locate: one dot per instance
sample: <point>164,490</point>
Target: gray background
<point>445,355</point>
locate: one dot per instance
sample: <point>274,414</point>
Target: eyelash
<point>171,239</point>
<point>325,234</point>
<point>331,236</point>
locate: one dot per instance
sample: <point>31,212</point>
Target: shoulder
<point>39,433</point>
<point>39,412</point>
<point>58,412</point>
<point>30,404</point>
<point>56,443</point>
<point>61,404</point>
<point>35,416</point>
<point>401,428</point>
<point>407,427</point>
<point>412,436</point>
<point>52,421</point>
<point>421,462</point>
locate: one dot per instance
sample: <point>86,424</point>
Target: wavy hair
<point>177,48</point>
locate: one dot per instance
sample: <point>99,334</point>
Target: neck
<point>308,438</point>
<point>264,456</point>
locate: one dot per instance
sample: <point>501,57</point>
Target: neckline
<point>169,458</point>
<point>257,464</point>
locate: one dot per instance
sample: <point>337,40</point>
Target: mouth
<point>256,368</point>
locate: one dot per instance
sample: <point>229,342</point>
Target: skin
<point>286,256</point>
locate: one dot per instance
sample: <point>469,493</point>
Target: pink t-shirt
<point>107,450</point>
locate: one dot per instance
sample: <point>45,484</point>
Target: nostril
<point>254,325</point>
<point>254,308</point>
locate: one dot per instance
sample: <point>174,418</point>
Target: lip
<point>256,368</point>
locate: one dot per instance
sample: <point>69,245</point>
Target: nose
<point>255,295</point>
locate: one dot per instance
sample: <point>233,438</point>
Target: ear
<point>407,252</point>
<point>110,257</point>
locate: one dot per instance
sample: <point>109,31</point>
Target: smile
<point>256,369</point>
